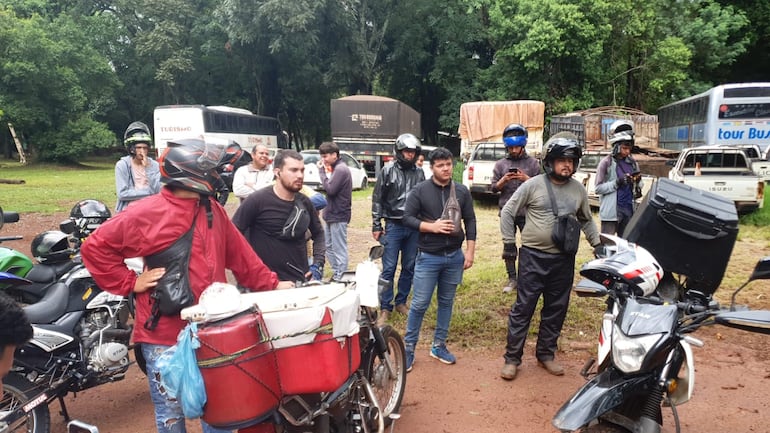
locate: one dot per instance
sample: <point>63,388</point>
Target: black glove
<point>509,251</point>
<point>621,181</point>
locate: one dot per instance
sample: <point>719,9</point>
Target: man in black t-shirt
<point>276,219</point>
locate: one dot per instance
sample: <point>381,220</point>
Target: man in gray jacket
<point>618,180</point>
<point>136,175</point>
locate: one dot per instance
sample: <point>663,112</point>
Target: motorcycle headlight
<point>628,353</point>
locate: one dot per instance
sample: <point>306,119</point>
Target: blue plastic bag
<point>180,375</point>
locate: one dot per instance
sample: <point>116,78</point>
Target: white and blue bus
<point>731,114</point>
<point>218,122</point>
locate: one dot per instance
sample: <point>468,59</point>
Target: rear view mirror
<point>67,226</point>
<point>761,270</point>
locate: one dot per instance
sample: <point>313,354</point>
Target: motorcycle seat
<point>52,306</point>
<point>48,273</point>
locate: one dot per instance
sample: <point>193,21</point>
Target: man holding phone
<point>618,180</point>
<point>507,176</point>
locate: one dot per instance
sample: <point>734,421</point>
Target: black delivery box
<point>689,231</point>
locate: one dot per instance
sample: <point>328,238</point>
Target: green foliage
<point>113,62</point>
<point>761,217</point>
<point>53,80</point>
<point>76,138</point>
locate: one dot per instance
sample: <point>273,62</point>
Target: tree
<point>52,79</point>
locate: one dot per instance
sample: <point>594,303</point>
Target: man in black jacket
<point>440,259</point>
<point>388,202</point>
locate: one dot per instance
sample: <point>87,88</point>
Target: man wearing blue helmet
<point>508,175</point>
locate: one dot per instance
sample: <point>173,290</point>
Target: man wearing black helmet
<point>136,174</point>
<point>507,176</point>
<point>395,181</point>
<point>618,179</point>
<point>148,229</point>
<point>544,268</point>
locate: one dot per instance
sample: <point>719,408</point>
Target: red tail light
<point>470,173</point>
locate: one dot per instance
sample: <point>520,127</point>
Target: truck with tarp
<point>366,126</point>
<point>484,121</point>
<point>481,134</point>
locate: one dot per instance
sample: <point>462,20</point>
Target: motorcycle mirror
<point>753,321</point>
<point>67,226</point>
<point>588,288</point>
<point>761,272</point>
<point>76,426</point>
<point>8,217</point>
<point>376,252</point>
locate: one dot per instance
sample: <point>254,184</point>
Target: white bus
<point>727,114</point>
<point>218,122</point>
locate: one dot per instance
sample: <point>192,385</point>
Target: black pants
<point>510,264</point>
<point>549,275</point>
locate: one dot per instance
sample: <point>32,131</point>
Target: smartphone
<point>513,170</point>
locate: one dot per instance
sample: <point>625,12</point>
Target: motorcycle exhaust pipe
<point>373,398</point>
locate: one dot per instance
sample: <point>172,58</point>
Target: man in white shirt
<point>254,176</point>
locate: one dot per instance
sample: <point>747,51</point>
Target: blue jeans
<point>444,271</point>
<point>168,413</point>
<point>337,248</point>
<point>397,239</point>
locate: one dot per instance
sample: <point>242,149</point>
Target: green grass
<point>761,217</point>
<point>50,188</point>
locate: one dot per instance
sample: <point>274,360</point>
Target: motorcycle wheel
<point>389,391</point>
<point>17,391</point>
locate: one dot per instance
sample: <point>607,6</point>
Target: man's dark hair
<point>282,155</point>
<point>439,153</point>
<point>14,327</point>
<point>328,147</point>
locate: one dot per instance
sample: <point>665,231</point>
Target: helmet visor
<point>211,156</point>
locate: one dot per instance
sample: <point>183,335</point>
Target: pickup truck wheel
<point>364,183</point>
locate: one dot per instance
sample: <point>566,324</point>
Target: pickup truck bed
<point>725,171</point>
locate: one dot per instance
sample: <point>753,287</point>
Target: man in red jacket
<point>188,170</point>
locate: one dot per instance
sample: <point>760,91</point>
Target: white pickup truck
<point>478,171</point>
<point>759,163</point>
<point>725,171</point>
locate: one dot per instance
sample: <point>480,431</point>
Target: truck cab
<point>477,174</point>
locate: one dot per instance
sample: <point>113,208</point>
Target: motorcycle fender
<point>686,377</point>
<point>598,396</point>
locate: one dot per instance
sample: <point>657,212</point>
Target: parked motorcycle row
<point>644,363</point>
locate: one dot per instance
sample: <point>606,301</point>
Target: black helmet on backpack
<point>51,246</point>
